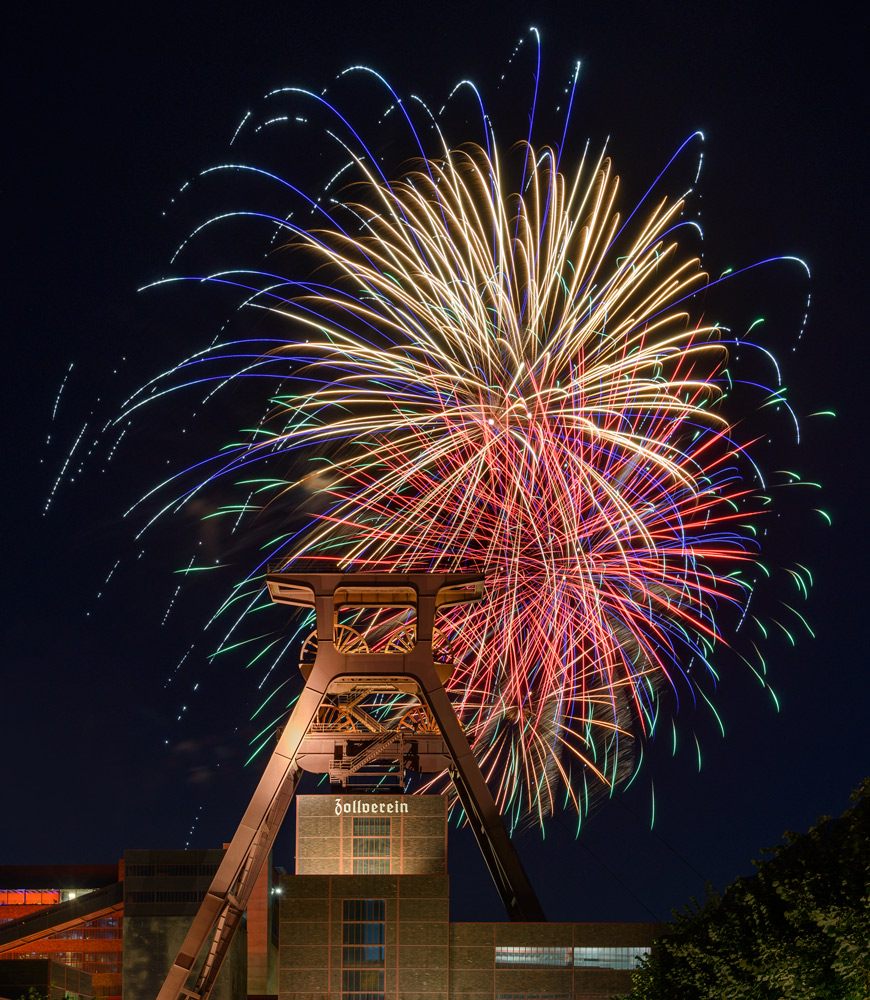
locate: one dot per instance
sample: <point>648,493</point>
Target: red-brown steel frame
<point>227,897</point>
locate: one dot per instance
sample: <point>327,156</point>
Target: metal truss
<point>422,733</point>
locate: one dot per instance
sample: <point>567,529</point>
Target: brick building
<point>366,917</point>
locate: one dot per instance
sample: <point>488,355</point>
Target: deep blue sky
<point>110,114</point>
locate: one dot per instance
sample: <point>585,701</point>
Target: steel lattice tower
<point>331,731</point>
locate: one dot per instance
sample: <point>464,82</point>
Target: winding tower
<point>373,708</point>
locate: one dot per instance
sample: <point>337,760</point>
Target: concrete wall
<point>150,945</point>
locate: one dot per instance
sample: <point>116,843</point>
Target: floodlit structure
<point>110,931</point>
<point>330,730</point>
<point>63,917</point>
<point>366,914</point>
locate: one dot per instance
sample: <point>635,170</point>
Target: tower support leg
<point>227,897</point>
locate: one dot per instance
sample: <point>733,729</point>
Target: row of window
<point>167,896</point>
<point>565,958</point>
<point>139,871</point>
<point>371,845</point>
<point>29,897</point>
<point>544,958</point>
<point>99,929</point>
<point>609,958</point>
<point>371,826</point>
<point>362,956</point>
<point>64,957</point>
<point>362,981</point>
<point>87,933</point>
<point>363,909</point>
<point>371,866</point>
<point>359,933</point>
<point>39,897</point>
<point>103,966</point>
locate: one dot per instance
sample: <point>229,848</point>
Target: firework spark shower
<point>486,361</point>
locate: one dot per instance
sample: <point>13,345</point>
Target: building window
<point>29,897</point>
<point>142,871</point>
<point>363,936</point>
<point>609,958</point>
<point>371,845</point>
<point>101,929</point>
<point>540,958</point>
<point>561,958</point>
<point>173,896</point>
<point>92,962</point>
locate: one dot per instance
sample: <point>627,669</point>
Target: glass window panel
<point>548,958</point>
<point>364,909</point>
<point>371,866</point>
<point>371,847</point>
<point>363,952</point>
<point>624,957</point>
<point>358,980</point>
<point>371,826</point>
<point>352,956</point>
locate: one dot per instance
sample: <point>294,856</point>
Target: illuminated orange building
<point>83,915</point>
<point>40,894</point>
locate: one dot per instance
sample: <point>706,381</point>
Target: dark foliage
<point>799,929</point>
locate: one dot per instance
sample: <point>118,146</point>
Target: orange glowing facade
<point>111,921</point>
<point>92,945</point>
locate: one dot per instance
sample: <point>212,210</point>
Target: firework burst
<point>531,402</point>
<point>496,372</point>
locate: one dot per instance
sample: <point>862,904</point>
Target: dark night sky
<point>110,113</point>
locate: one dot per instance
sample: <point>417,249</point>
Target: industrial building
<point>365,916</point>
<point>65,915</point>
<point>120,925</point>
<point>45,978</point>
